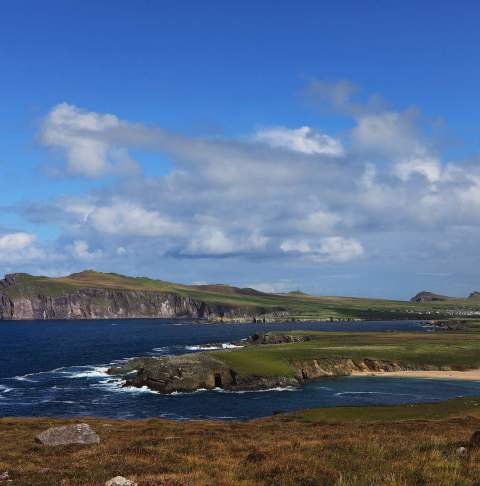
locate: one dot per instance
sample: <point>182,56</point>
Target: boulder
<point>461,451</point>
<point>120,481</point>
<point>68,434</point>
<point>475,439</point>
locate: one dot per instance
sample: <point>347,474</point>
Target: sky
<point>331,147</point>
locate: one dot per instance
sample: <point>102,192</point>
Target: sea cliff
<point>22,302</point>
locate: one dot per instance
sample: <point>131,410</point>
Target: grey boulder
<point>120,481</point>
<point>68,434</point>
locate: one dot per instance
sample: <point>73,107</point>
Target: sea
<point>58,368</point>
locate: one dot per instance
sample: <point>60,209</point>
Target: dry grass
<point>277,451</point>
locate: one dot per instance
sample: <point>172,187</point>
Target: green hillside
<point>299,305</point>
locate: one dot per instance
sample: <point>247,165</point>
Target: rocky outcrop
<point>277,338</point>
<point>187,373</point>
<point>425,296</point>
<point>106,303</point>
<point>68,434</point>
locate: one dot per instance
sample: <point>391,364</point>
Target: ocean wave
<point>374,393</point>
<point>202,347</point>
<point>274,389</point>
<point>212,347</point>
<point>88,372</point>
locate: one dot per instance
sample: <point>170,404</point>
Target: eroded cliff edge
<point>22,302</point>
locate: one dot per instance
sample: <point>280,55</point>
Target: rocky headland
<point>22,300</point>
<point>204,370</point>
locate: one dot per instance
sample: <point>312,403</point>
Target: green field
<point>455,350</point>
<point>300,306</point>
<point>386,414</point>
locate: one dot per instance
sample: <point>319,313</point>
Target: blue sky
<point>327,146</point>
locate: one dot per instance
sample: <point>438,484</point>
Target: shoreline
<point>469,375</point>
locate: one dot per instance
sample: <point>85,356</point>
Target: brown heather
<point>278,451</point>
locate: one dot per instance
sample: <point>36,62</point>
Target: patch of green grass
<point>454,350</point>
<point>418,411</point>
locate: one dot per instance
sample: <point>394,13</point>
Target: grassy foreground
<point>455,350</point>
<point>403,445</point>
<point>299,306</point>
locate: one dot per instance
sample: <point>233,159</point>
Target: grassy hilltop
<point>299,305</point>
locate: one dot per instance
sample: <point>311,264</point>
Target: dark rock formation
<point>68,434</point>
<point>277,338</point>
<point>425,296</point>
<point>474,295</point>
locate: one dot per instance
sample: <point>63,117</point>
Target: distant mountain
<point>425,296</point>
<point>474,295</point>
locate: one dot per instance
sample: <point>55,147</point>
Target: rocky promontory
<point>204,370</point>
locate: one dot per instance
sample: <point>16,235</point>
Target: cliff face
<point>104,303</point>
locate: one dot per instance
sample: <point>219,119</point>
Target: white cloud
<point>425,165</point>
<point>272,287</point>
<point>280,193</point>
<point>127,219</point>
<point>19,246</point>
<point>334,249</point>
<point>213,241</point>
<point>81,250</point>
<point>304,139</point>
<point>78,133</point>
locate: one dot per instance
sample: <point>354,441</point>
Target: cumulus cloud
<point>19,246</point>
<point>128,219</point>
<point>284,194</point>
<point>80,135</point>
<point>81,250</point>
<point>303,139</point>
<point>334,249</point>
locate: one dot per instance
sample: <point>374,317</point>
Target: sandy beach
<point>472,375</point>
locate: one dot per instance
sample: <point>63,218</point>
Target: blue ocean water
<point>57,368</point>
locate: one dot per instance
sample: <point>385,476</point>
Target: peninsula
<point>278,360</point>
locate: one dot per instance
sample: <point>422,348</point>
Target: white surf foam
<point>89,372</point>
<point>373,393</point>
<point>274,389</point>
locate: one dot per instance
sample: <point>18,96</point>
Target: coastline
<point>468,375</point>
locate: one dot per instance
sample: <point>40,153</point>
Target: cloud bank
<point>285,194</point>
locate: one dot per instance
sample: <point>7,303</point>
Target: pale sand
<point>472,375</point>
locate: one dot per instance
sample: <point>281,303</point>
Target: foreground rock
<point>68,434</point>
<point>120,481</point>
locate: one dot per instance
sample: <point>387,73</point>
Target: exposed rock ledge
<point>190,372</point>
